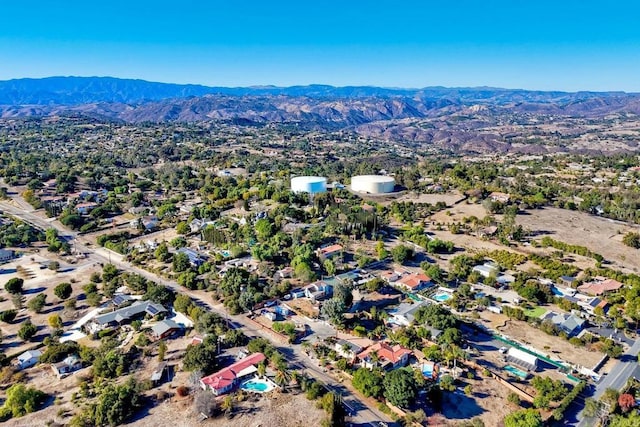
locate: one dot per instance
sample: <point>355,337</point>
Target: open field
<point>487,402</point>
<point>556,347</point>
<point>448,198</point>
<point>601,235</point>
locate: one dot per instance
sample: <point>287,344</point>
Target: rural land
<point>317,256</point>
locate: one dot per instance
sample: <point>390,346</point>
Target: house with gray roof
<point>570,324</point>
<point>27,359</point>
<point>164,328</point>
<point>404,315</point>
<point>123,315</point>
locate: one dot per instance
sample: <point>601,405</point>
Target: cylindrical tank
<point>309,184</point>
<point>373,184</point>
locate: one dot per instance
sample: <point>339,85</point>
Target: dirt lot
<point>282,410</point>
<point>488,402</point>
<point>41,280</point>
<point>598,234</point>
<point>524,333</point>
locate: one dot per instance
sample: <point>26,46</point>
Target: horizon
<point>271,86</point>
<point>566,46</point>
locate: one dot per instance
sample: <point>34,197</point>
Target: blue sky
<point>547,45</point>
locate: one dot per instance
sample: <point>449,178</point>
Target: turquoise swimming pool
<point>442,297</point>
<point>257,385</point>
<point>517,372</point>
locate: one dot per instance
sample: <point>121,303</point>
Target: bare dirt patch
<point>601,235</point>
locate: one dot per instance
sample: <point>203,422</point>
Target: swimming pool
<point>517,372</point>
<point>442,297</point>
<point>258,385</point>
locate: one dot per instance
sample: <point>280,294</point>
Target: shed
<point>522,358</point>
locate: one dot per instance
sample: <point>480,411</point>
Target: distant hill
<point>87,90</point>
<point>480,119</point>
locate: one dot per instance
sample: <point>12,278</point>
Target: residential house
<point>590,306</point>
<point>67,366</point>
<point>347,349</point>
<point>200,224</point>
<point>227,379</point>
<point>390,276</point>
<point>285,273</point>
<point>404,314</point>
<point>318,291</point>
<point>497,196</point>
<point>149,222</point>
<point>384,355</point>
<point>123,315</point>
<point>600,286</point>
<point>329,251</point>
<point>487,269</point>
<point>86,207</point>
<point>164,329</point>
<point>121,299</point>
<point>196,259</point>
<point>27,359</point>
<point>6,255</point>
<point>414,282</point>
<point>568,323</point>
<point>567,281</point>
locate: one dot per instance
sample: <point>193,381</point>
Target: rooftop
<point>227,376</point>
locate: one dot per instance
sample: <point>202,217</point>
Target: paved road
<point>363,414</point>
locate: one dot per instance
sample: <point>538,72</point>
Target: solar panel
<point>152,310</point>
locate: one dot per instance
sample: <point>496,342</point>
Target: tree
<point>182,303</point>
<point>181,262</point>
<point>514,398</point>
<point>523,418</point>
<point>334,309</point>
<point>14,285</point>
<point>8,316</point>
<point>401,253</point>
<point>329,267</point>
<point>27,330</point>
<point>21,400</point>
<point>626,402</point>
<point>117,403</point>
<point>264,229</point>
<point>55,321</point>
<point>632,240</point>
<point>37,303</point>
<point>63,290</point>
<point>400,387</point>
<point>162,350</point>
<point>201,357</point>
<point>332,404</point>
<point>182,228</point>
<point>591,408</point>
<point>368,382</point>
<point>162,253</point>
<point>109,271</point>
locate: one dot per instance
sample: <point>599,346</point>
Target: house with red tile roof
<point>414,281</point>
<point>227,379</point>
<point>600,286</point>
<point>329,251</point>
<point>388,357</point>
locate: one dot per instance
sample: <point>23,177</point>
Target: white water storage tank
<point>309,184</point>
<point>373,184</point>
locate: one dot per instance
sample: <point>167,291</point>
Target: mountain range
<point>450,116</point>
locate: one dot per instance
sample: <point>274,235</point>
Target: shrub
<point>182,391</point>
<point>14,286</point>
<point>8,316</point>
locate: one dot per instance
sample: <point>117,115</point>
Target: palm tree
<point>262,369</point>
<point>282,379</point>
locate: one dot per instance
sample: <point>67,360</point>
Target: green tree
<point>21,400</point>
<point>632,239</point>
<point>201,357</point>
<point>523,418</point>
<point>14,285</point>
<point>400,387</point>
<point>591,408</point>
<point>8,316</point>
<point>27,330</point>
<point>162,253</point>
<point>401,253</point>
<point>117,403</point>
<point>63,290</point>
<point>37,303</point>
<point>368,382</point>
<point>182,228</point>
<point>181,262</point>
<point>264,229</point>
<point>109,271</point>
<point>334,309</point>
<point>162,350</point>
